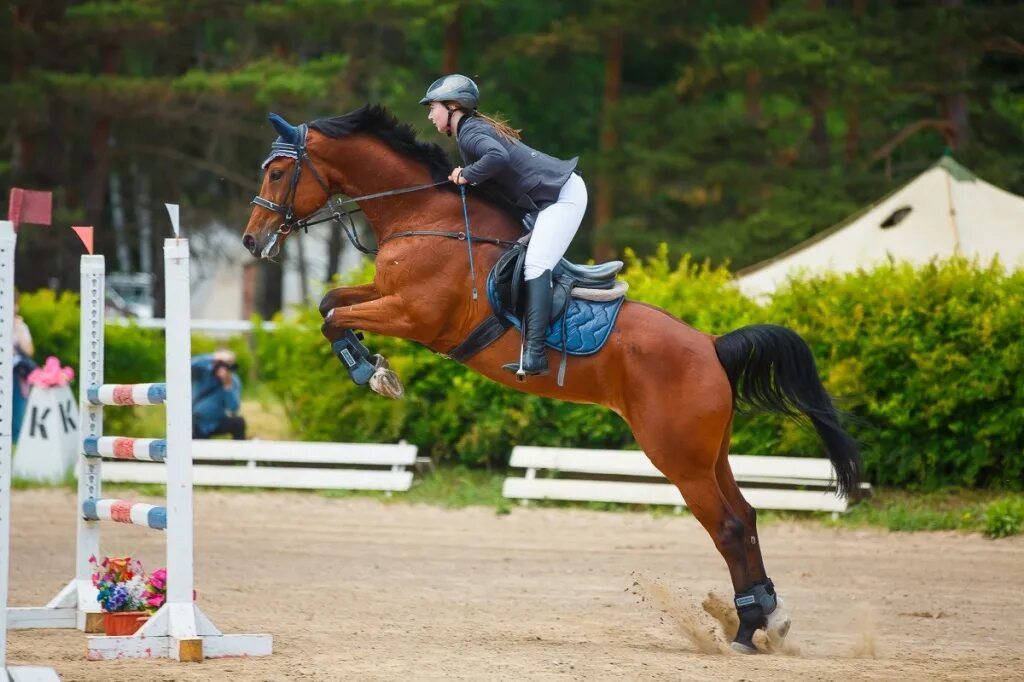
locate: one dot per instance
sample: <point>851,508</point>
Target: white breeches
<point>555,227</point>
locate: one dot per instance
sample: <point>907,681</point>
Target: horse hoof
<point>385,382</point>
<point>778,622</point>
<point>741,648</point>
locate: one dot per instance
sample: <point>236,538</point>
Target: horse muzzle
<point>268,247</point>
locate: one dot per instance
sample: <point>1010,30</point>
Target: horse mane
<point>376,120</point>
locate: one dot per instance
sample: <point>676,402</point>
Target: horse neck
<point>363,164</point>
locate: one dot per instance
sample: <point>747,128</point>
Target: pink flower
<point>51,374</point>
<point>158,579</point>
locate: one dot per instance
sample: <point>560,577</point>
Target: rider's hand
<point>456,176</point>
<point>224,374</point>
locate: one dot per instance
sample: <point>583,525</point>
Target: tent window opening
<point>896,217</point>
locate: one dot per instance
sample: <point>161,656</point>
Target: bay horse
<point>676,387</point>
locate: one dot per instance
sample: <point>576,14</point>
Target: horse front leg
<point>346,296</point>
<point>380,315</point>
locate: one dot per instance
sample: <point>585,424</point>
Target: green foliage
<point>132,354</point>
<point>932,362</point>
<point>269,82</point>
<point>725,136</point>
<point>929,362</point>
<point>53,321</point>
<point>1004,517</point>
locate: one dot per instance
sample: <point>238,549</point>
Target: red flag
<point>85,234</point>
<point>29,206</point>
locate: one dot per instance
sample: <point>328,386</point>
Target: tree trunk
<point>269,290</point>
<point>334,251</point>
<point>819,126</point>
<point>852,133</point>
<point>95,184</point>
<point>604,204</point>
<point>758,17</point>
<point>144,218</point>
<point>819,109</point>
<point>124,260</point>
<point>852,109</point>
<point>955,105</point>
<point>452,42</point>
<point>23,152</point>
<point>300,257</point>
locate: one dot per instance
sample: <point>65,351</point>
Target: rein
<point>343,216</point>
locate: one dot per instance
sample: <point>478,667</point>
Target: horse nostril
<point>249,242</point>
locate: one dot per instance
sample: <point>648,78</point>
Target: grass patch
<point>995,513</point>
<point>1004,517</point>
<point>454,488</point>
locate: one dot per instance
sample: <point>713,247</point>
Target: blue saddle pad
<point>587,324</point>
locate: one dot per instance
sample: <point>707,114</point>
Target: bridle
<point>337,211</point>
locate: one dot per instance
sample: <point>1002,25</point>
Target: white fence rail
<point>279,464</point>
<point>790,483</point>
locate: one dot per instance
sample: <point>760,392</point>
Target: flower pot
<point>123,622</point>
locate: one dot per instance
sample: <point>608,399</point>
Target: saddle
<point>585,305</point>
<point>569,280</point>
<point>585,302</point>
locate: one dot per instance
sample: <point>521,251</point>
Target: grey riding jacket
<point>530,179</point>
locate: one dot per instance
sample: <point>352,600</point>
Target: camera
<point>218,364</point>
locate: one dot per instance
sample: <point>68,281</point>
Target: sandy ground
<point>357,589</point>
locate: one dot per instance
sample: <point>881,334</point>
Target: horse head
<point>292,190</point>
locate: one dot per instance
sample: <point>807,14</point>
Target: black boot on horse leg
<point>354,356</point>
<point>533,356</point>
<point>755,609</point>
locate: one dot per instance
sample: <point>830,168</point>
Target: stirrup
<point>519,370</point>
<point>521,373</point>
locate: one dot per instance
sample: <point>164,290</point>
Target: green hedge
<point>133,355</point>
<point>928,361</point>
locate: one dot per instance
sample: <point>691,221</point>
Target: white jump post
<point>8,240</point>
<point>179,629</point>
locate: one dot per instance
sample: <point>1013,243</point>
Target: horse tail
<point>772,368</point>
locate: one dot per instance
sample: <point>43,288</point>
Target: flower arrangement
<point>120,584</point>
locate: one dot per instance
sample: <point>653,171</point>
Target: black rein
<point>339,213</point>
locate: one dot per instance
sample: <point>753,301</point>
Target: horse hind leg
<point>689,463</point>
<point>776,621</point>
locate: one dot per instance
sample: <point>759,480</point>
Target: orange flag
<point>85,234</point>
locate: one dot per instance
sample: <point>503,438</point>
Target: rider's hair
<point>501,125</point>
<point>498,121</point>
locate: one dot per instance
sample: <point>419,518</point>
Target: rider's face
<point>438,115</point>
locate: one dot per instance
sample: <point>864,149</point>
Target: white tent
<point>945,211</point>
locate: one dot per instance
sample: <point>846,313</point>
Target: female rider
<point>492,152</point>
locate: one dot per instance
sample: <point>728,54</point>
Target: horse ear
<point>286,130</point>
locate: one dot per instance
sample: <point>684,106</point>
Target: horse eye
<point>276,174</point>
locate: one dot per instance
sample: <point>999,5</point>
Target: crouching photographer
<point>216,396</point>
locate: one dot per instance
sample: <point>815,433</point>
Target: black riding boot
<point>535,327</point>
